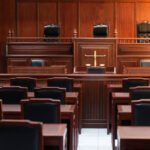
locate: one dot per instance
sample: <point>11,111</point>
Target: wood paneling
<point>8,17</point>
<point>47,14</point>
<point>94,112</point>
<point>126,62</point>
<point>68,18</point>
<point>57,53</point>
<point>134,49</point>
<point>129,55</point>
<point>92,13</point>
<point>125,19</point>
<point>142,11</point>
<point>27,18</point>
<point>104,47</point>
<point>7,22</point>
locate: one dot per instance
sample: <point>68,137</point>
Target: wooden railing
<point>133,40</point>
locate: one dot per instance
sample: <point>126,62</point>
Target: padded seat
<point>133,82</point>
<point>45,110</point>
<point>51,92</point>
<point>141,112</point>
<point>63,82</point>
<point>20,135</point>
<point>140,92</point>
<point>13,94</point>
<point>28,82</point>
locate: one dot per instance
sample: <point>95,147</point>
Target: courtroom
<point>74,74</point>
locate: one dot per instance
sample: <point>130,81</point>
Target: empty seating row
<point>40,111</point>
<point>30,83</point>
<point>115,98</point>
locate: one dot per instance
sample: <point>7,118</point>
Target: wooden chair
<point>28,82</point>
<point>20,135</point>
<point>141,112</point>
<point>38,62</point>
<point>13,94</point>
<point>45,110</point>
<point>51,92</point>
<point>63,82</point>
<point>133,82</point>
<point>140,92</point>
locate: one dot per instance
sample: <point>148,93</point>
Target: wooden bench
<point>136,70</point>
<point>54,69</point>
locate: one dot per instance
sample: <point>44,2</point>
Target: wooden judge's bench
<point>70,56</point>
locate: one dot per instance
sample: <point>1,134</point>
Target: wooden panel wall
<point>95,13</point>
<point>130,55</point>
<point>68,18</point>
<point>47,14</point>
<point>27,17</point>
<point>7,22</point>
<point>126,19</point>
<point>142,11</point>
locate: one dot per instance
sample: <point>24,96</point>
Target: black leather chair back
<point>51,92</point>
<point>43,110</point>
<point>20,135</point>
<point>141,112</point>
<point>30,83</point>
<point>13,94</point>
<point>140,92</point>
<point>133,82</point>
<point>62,82</point>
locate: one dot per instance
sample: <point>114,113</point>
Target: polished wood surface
<point>85,46</point>
<point>55,135</point>
<point>36,70</point>
<point>133,138</point>
<point>130,55</point>
<point>117,98</point>
<point>124,113</point>
<point>94,92</point>
<point>58,56</point>
<point>68,115</point>
<point>111,88</point>
<point>81,14</point>
<point>74,15</point>
<point>136,70</point>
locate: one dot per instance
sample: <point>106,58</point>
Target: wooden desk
<point>71,97</point>
<point>111,88</point>
<point>55,135</point>
<point>117,99</point>
<point>124,113</point>
<point>133,138</point>
<point>77,87</point>
<point>68,115</point>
